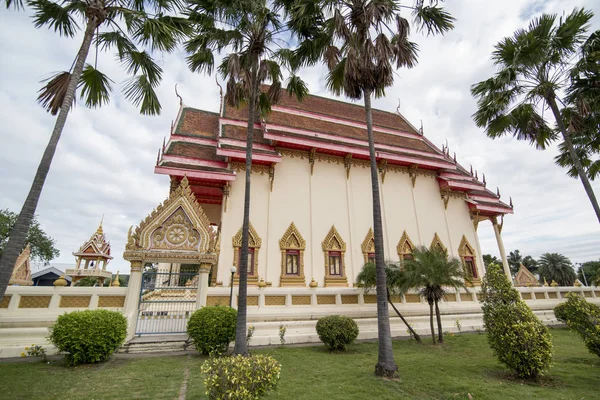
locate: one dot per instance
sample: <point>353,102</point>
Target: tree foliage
<point>556,267</point>
<point>42,246</point>
<point>517,337</point>
<point>515,259</point>
<point>584,318</point>
<point>534,66</point>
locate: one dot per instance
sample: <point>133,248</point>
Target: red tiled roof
<point>196,122</point>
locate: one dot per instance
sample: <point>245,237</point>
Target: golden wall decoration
<point>275,300</point>
<point>437,243</point>
<point>301,300</point>
<point>334,242</point>
<point>349,299</point>
<point>5,301</point>
<point>254,242</point>
<point>111,301</point>
<point>325,299</point>
<point>368,245</point>
<point>292,240</point>
<point>405,247</point>
<point>74,301</point>
<point>35,301</point>
<point>217,300</point>
<point>466,250</point>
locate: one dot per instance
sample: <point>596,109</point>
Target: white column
<point>202,290</point>
<point>133,297</point>
<point>501,248</point>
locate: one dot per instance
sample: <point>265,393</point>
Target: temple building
<point>92,258</point>
<point>311,207</point>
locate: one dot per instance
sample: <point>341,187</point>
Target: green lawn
<point>463,365</point>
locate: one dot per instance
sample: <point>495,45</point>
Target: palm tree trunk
<point>576,161</point>
<point>18,235</point>
<point>386,366</point>
<point>410,328</point>
<point>431,321</point>
<point>439,322</point>
<point>241,344</point>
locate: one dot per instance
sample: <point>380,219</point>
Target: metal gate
<point>167,300</point>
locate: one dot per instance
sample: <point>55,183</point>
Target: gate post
<point>202,290</point>
<point>133,297</point>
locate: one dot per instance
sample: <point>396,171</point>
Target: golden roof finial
<point>100,231</point>
<point>116,282</point>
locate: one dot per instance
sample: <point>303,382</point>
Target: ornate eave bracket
<point>348,164</point>
<point>445,195</point>
<point>412,173</point>
<point>382,169</point>
<point>475,218</point>
<point>311,159</point>
<point>271,175</point>
<point>226,190</point>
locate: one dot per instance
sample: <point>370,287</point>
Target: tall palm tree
<point>367,280</point>
<point>433,273</point>
<point>556,267</point>
<point>534,66</point>
<point>250,31</point>
<point>515,259</point>
<point>361,41</point>
<point>127,26</point>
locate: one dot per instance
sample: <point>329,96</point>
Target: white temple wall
<point>316,202</point>
<point>213,212</point>
<point>430,212</point>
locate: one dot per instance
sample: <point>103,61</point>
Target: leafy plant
<point>517,337</point>
<point>458,325</point>
<point>212,329</point>
<point>282,330</point>
<point>240,377</point>
<point>249,335</point>
<point>337,331</point>
<point>584,318</point>
<point>88,336</point>
<point>556,267</point>
<point>35,351</point>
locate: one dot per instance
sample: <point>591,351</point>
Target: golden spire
<point>116,281</point>
<point>100,231</point>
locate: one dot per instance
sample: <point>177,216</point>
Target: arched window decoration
<point>467,256</point>
<point>254,243</point>
<point>334,249</point>
<point>368,247</point>
<point>405,248</point>
<point>292,246</point>
<point>437,243</point>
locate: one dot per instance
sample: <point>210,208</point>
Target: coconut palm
<point>361,42</point>
<point>250,32</point>
<point>134,29</point>
<point>515,259</point>
<point>556,267</point>
<point>433,273</point>
<point>367,280</point>
<point>534,66</point>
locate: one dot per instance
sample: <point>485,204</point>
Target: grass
<point>464,364</point>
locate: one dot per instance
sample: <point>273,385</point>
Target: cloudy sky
<point>105,159</point>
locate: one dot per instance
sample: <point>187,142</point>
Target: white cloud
<point>104,162</point>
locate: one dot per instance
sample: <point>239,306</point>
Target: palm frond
<point>297,87</point>
<point>141,61</point>
<point>110,39</point>
<point>54,16</point>
<point>161,33</point>
<point>15,4</point>
<point>95,87</point>
<point>140,91</point>
<point>435,20</point>
<point>52,95</point>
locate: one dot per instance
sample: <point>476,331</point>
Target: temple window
<point>254,243</point>
<point>436,243</point>
<point>334,249</point>
<point>292,246</point>
<point>405,248</point>
<point>368,247</point>
<point>467,256</point>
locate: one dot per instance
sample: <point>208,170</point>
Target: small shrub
<point>35,351</point>
<point>584,318</point>
<point>88,336</point>
<point>239,377</point>
<point>212,329</point>
<point>282,331</point>
<point>516,336</point>
<point>249,335</point>
<point>337,331</point>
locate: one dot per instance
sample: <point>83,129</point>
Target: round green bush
<point>337,331</point>
<point>583,317</point>
<point>240,377</point>
<point>212,329</point>
<point>88,336</point>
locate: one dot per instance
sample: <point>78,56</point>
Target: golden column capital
<point>136,266</point>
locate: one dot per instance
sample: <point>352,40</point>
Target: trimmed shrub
<point>212,329</point>
<point>584,318</point>
<point>517,337</point>
<point>239,377</point>
<point>88,336</point>
<point>337,331</point>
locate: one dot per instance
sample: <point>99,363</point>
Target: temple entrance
<point>167,300</point>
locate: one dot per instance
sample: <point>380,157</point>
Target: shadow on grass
<point>504,376</point>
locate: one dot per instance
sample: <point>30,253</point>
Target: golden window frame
<point>466,250</point>
<point>438,242</point>
<point>405,247</point>
<point>334,242</point>
<point>368,245</point>
<point>254,242</point>
<point>292,240</point>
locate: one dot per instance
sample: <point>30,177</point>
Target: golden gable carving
<point>465,249</point>
<point>405,245</point>
<point>292,239</point>
<point>437,242</point>
<point>333,241</point>
<point>368,245</point>
<point>253,239</point>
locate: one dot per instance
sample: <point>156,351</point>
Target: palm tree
<point>534,66</point>
<point>556,267</point>
<point>367,280</point>
<point>248,30</point>
<point>361,41</point>
<point>433,272</point>
<point>515,259</point>
<point>114,24</point>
